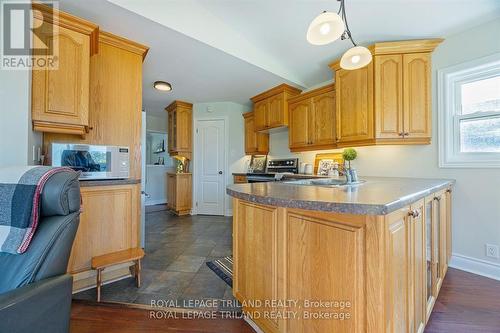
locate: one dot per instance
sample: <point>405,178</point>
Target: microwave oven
<point>93,161</point>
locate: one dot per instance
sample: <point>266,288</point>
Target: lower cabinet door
<point>255,281</point>
<point>417,268</point>
<point>397,275</point>
<point>311,263</point>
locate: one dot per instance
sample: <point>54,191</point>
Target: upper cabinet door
<point>322,128</point>
<point>184,129</point>
<point>354,104</point>
<point>416,98</point>
<point>300,114</point>
<point>276,115</point>
<point>260,115</point>
<point>389,96</point>
<point>61,96</point>
<point>250,136</point>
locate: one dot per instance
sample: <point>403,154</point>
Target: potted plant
<point>350,154</point>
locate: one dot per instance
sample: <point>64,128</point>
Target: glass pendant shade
<point>356,57</point>
<point>325,28</point>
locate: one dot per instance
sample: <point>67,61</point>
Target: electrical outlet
<point>492,251</point>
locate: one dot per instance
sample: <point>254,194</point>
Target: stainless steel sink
<point>324,182</point>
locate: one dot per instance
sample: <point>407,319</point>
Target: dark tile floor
<point>174,268</point>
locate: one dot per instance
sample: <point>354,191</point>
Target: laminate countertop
<point>376,196</point>
<point>108,182</point>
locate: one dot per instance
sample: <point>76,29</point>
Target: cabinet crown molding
<point>68,21</point>
<point>312,93</point>
<point>178,104</point>
<point>248,114</point>
<point>398,47</point>
<point>123,43</point>
<point>276,90</point>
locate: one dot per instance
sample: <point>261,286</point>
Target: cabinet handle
<point>406,134</point>
<point>437,198</point>
<point>414,213</point>
<point>401,134</point>
<point>448,190</point>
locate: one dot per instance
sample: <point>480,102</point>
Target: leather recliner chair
<point>35,291</point>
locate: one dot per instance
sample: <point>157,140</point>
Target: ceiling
<point>221,50</point>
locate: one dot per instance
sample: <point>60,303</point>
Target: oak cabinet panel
<point>298,132</point>
<point>416,95</point>
<point>255,143</point>
<point>354,104</point>
<point>255,258</point>
<point>109,222</point>
<point>60,96</point>
<point>311,247</point>
<point>179,192</point>
<point>388,96</point>
<point>312,120</point>
<point>180,125</point>
<point>271,109</point>
<point>276,114</point>
<point>260,111</point>
<point>398,81</point>
<point>324,119</point>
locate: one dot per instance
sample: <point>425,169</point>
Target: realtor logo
<point>28,35</point>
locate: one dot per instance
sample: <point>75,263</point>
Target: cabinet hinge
<point>196,131</point>
<point>196,204</point>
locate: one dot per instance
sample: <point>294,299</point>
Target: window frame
<point>449,82</point>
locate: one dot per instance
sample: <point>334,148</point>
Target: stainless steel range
<point>275,170</point>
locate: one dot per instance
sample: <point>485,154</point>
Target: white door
<point>210,166</point>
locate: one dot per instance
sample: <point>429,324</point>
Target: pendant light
<point>357,56</point>
<point>327,27</point>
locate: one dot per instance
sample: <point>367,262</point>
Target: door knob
<point>220,172</point>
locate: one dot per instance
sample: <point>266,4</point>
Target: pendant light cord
<point>344,18</point>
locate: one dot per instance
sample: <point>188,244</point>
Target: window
<point>469,114</point>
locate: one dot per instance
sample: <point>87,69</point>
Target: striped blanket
<point>20,190</point>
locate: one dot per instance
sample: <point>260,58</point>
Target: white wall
<point>476,202</point>
<point>236,153</point>
<point>156,175</point>
<point>16,136</point>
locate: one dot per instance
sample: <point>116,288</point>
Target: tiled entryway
<point>174,268</point>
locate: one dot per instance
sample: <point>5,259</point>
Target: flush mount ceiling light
<point>162,85</point>
<point>325,28</point>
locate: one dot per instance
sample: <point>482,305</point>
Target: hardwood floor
<point>467,303</point>
<point>111,318</point>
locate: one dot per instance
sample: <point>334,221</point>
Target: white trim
<point>475,266</point>
<point>196,179</point>
<point>447,80</point>
<point>156,202</point>
<point>229,212</point>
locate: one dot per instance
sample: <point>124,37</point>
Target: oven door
<point>260,179</point>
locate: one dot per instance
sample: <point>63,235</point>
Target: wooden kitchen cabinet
<point>109,222</point>
<point>405,278</point>
<point>255,143</point>
<point>312,120</point>
<point>60,96</point>
<point>387,101</point>
<point>180,128</point>
<point>384,271</point>
<point>271,107</point>
<point>438,242</point>
<point>255,237</point>
<point>179,192</point>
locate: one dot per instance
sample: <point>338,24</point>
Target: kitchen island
<point>325,258</point>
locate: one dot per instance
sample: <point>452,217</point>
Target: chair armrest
<point>42,306</point>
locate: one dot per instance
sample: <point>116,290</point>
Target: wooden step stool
<point>101,262</point>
